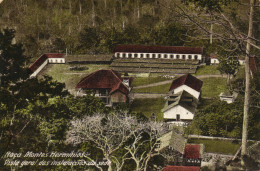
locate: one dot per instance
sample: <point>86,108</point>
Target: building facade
<point>158,52</point>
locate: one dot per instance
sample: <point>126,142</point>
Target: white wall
<point>39,69</point>
<point>193,92</point>
<point>168,55</point>
<point>56,60</point>
<point>184,113</point>
<point>241,62</point>
<point>214,61</point>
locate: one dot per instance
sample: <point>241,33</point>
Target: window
<point>118,55</point>
<point>171,56</point>
<point>153,55</point>
<point>135,55</point>
<point>178,56</point>
<point>147,55</point>
<point>178,117</point>
<point>142,55</point>
<point>183,56</point>
<point>56,61</point>
<point>159,55</point>
<point>124,55</point>
<point>189,56</point>
<point>165,55</point>
<point>196,57</point>
<point>130,55</point>
<point>51,61</point>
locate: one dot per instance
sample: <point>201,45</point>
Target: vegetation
<point>207,70</point>
<point>139,81</point>
<point>150,107</point>
<point>62,73</point>
<point>161,89</point>
<point>217,146</point>
<point>212,87</point>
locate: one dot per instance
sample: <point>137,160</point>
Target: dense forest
<point>95,26</point>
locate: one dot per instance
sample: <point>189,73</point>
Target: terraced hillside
<point>155,66</point>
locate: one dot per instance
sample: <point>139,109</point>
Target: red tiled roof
<point>108,79</point>
<point>188,80</point>
<point>54,55</point>
<point>181,168</point>
<point>42,59</point>
<point>38,63</point>
<point>158,49</point>
<point>252,65</point>
<point>192,151</point>
<point>213,56</point>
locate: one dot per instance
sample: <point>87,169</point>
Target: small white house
<point>213,59</point>
<point>228,97</point>
<point>180,108</point>
<point>187,83</point>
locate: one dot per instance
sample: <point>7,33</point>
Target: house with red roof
<point>106,84</point>
<point>43,60</point>
<point>193,154</point>
<point>182,100</point>
<point>187,82</point>
<point>158,52</point>
<point>213,59</point>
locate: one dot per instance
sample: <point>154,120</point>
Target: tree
<point>120,138</point>
<point>12,60</point>
<point>228,66</point>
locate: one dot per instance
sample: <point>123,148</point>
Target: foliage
<point>12,60</point>
<point>222,119</point>
<point>120,138</point>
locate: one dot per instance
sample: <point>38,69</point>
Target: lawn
<point>217,146</point>
<point>207,70</point>
<point>148,107</point>
<point>212,87</point>
<point>138,81</point>
<point>163,89</point>
<point>62,73</point>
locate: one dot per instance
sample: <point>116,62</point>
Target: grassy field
<point>148,107</point>
<point>138,81</point>
<point>212,87</point>
<point>207,70</point>
<point>217,146</point>
<point>62,73</point>
<point>163,89</point>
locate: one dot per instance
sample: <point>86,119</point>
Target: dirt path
<point>169,81</point>
<point>147,95</point>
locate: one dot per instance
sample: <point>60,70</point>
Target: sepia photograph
<point>129,85</point>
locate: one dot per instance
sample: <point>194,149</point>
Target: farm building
<point>108,85</point>
<point>43,60</point>
<point>158,52</point>
<point>187,82</point>
<point>180,108</point>
<point>181,168</point>
<point>213,59</point>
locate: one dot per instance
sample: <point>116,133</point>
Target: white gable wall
<point>39,69</point>
<point>184,113</point>
<point>193,92</point>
